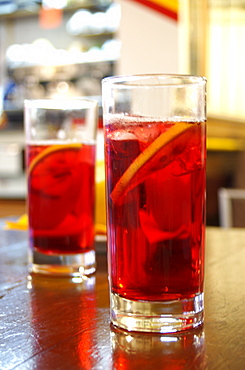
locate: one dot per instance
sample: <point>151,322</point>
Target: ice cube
<point>147,134</point>
<point>122,135</point>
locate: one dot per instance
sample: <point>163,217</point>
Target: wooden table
<point>50,323</point>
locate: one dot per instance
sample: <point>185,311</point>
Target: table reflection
<point>144,350</point>
<point>63,317</point>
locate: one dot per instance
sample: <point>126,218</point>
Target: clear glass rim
<point>144,80</point>
<point>61,103</point>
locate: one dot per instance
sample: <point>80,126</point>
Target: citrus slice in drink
<point>54,180</point>
<point>156,156</point>
<point>52,168</point>
<point>51,149</point>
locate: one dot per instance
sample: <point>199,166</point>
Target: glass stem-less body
<point>155,152</point>
<point>60,167</point>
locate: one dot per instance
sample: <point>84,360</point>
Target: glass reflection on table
<point>184,350</point>
<point>63,308</point>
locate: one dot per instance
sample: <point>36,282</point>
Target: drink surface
<point>156,206</point>
<point>61,197</point>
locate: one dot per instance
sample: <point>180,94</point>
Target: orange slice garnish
<point>143,164</point>
<point>51,149</point>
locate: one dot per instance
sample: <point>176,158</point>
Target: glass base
<point>159,317</point>
<point>73,265</point>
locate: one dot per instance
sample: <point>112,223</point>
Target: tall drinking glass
<point>60,162</point>
<point>155,152</point>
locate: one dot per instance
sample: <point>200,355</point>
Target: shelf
<point>33,8</point>
<point>39,65</point>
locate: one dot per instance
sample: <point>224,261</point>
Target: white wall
<point>149,40</point>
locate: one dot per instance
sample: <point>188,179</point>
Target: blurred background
<point>52,48</point>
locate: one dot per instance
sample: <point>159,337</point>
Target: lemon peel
<point>165,138</point>
<point>52,149</point>
<point>20,224</point>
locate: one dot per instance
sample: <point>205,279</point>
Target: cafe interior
<point>64,48</point>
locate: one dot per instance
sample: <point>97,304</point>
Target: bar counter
<point>51,323</point>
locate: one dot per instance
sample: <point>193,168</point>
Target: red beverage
<point>156,194</point>
<point>60,194</point>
